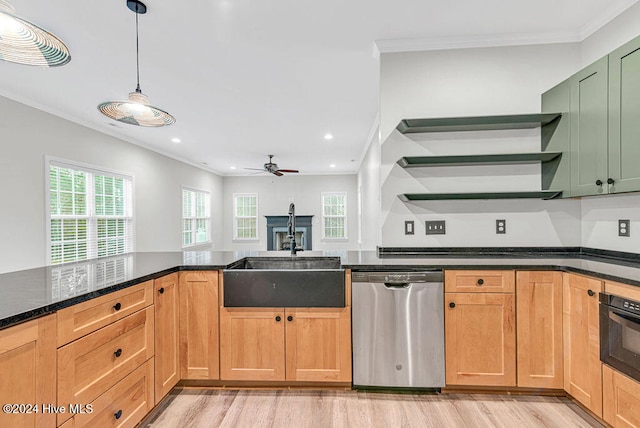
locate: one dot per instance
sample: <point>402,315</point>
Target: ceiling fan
<point>273,168</point>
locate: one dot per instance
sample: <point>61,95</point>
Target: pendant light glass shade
<point>136,110</point>
<point>22,42</point>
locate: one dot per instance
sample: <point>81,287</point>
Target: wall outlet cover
<point>624,228</point>
<point>501,227</point>
<point>409,227</point>
<point>435,227</point>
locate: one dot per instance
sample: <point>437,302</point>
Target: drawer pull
<point>161,290</point>
<point>118,414</point>
<point>278,318</point>
<point>289,318</point>
<point>480,281</point>
<point>598,182</point>
<point>452,305</point>
<point>117,306</point>
<point>611,181</point>
<point>591,293</point>
<point>118,352</point>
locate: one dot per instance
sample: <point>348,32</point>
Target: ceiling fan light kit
<point>23,42</point>
<point>136,110</point>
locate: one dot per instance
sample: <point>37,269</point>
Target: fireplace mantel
<point>278,224</point>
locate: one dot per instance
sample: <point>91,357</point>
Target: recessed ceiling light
<point>333,165</point>
<point>232,167</point>
<point>176,140</point>
<point>328,136</point>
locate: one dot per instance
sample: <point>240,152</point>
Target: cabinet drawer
<point>479,281</point>
<point>91,365</point>
<point>621,399</point>
<point>125,404</point>
<point>86,317</point>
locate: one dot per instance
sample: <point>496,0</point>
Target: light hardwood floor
<point>310,408</point>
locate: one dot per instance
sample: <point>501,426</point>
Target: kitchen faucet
<point>292,228</point>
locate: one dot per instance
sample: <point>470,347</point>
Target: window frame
<point>91,217</point>
<point>345,217</point>
<point>236,217</point>
<point>195,219</point>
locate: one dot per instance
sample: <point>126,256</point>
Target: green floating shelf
<point>413,197</point>
<point>478,123</point>
<point>427,161</point>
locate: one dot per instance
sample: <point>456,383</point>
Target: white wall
<point>369,190</point>
<point>274,196</point>
<point>471,82</point>
<point>28,134</point>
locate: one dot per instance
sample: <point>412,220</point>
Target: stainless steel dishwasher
<point>398,329</point>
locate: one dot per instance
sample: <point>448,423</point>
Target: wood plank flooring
<point>335,408</point>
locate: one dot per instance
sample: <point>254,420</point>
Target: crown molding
<point>612,12</point>
<point>464,42</point>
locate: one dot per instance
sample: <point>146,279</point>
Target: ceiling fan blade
<point>278,173</point>
<point>255,169</point>
<point>288,170</point>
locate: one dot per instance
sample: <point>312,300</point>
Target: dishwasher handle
<point>397,284</point>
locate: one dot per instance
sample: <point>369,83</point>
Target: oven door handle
<point>623,316</point>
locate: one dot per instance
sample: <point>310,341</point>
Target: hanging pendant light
<point>136,110</point>
<point>22,42</point>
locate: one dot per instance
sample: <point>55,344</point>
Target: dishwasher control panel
<point>397,277</point>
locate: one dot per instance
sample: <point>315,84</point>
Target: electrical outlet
<point>435,227</point>
<point>624,228</point>
<point>409,228</point>
<point>501,227</point>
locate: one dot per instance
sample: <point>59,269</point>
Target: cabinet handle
<point>118,352</point>
<point>289,318</point>
<point>610,181</point>
<point>452,305</point>
<point>161,290</point>
<point>480,281</point>
<point>278,318</point>
<point>118,414</point>
<point>598,182</point>
<point>117,306</point>
<point>591,293</point>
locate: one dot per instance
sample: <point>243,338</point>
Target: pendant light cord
<point>137,54</point>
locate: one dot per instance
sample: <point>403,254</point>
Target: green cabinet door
<point>589,133</point>
<point>624,118</point>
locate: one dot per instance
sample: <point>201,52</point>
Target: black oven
<point>620,334</point>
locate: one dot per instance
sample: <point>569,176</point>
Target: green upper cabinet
<point>589,131</point>
<point>624,118</point>
<point>555,138</point>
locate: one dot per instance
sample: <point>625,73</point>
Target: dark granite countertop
<point>35,292</point>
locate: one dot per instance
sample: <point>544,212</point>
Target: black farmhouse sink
<point>293,282</point>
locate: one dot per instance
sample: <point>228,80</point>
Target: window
<point>196,216</point>
<point>90,212</point>
<point>334,216</point>
<point>245,216</point>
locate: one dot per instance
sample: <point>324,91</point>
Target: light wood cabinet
<point>621,399</point>
<point>318,344</point>
<point>94,363</point>
<point>167,329</point>
<point>539,329</point>
<point>199,325</point>
<point>479,281</point>
<point>581,334</point>
<point>277,344</point>
<point>29,371</point>
<point>125,404</point>
<point>480,339</point>
<point>252,344</point>
<point>86,317</point>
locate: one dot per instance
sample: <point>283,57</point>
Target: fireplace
<point>277,231</point>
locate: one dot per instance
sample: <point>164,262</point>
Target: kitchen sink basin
<point>285,282</point>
